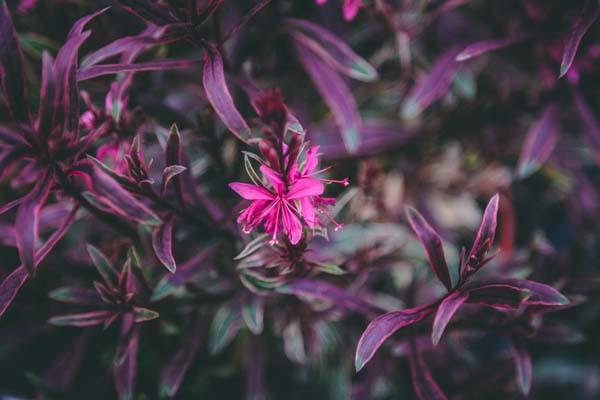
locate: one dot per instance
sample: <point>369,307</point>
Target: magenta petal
<point>311,160</point>
<point>291,225</point>
<point>308,211</point>
<point>273,177</point>
<point>251,192</point>
<point>305,187</point>
<point>351,8</point>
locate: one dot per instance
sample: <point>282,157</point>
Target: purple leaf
<point>225,326</point>
<point>12,283</point>
<point>125,364</point>
<point>151,36</point>
<point>485,235</point>
<point>174,371</point>
<point>12,68</point>
<point>335,93</point>
<point>82,320</point>
<point>174,160</point>
<point>522,362</point>
<point>168,174</point>
<point>331,49</point>
<point>78,26</point>
<point>540,141</point>
<point>111,69</point>
<point>381,328</point>
<point>433,245</point>
<point>26,226</point>
<point>162,243</point>
<point>142,314</point>
<point>432,86</point>
<point>76,295</point>
<point>485,46</point>
<point>498,296</point>
<point>539,293</point>
<point>584,20</point>
<point>324,291</point>
<point>591,124</point>
<point>112,195</point>
<point>47,107</point>
<point>103,265</point>
<point>184,274</point>
<point>217,93</point>
<point>444,314</point>
<point>425,386</point>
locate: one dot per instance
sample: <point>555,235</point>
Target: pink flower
<point>350,9</point>
<point>276,208</point>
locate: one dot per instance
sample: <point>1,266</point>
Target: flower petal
<point>305,187</point>
<point>308,211</point>
<point>291,224</point>
<point>312,160</point>
<point>251,192</point>
<point>274,178</point>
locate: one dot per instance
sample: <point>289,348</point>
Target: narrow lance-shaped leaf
<point>498,296</point>
<point>142,314</point>
<point>584,20</point>
<point>112,69</point>
<point>12,68</point>
<point>217,93</point>
<point>26,227</point>
<point>485,46</point>
<point>125,364</point>
<point>82,320</point>
<point>540,142</point>
<point>162,243</point>
<point>381,328</point>
<point>485,235</point>
<point>538,293</point>
<point>75,295</point>
<point>591,124</point>
<point>444,314</point>
<point>174,371</point>
<point>103,265</point>
<point>433,245</point>
<point>112,195</point>
<point>332,49</point>
<point>47,107</point>
<point>425,386</point>
<point>174,160</point>
<point>335,93</point>
<point>225,326</point>
<point>432,86</point>
<point>523,369</point>
<point>11,285</point>
<point>253,312</point>
<point>324,291</point>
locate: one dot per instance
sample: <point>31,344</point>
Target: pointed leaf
<point>169,173</point>
<point>75,295</point>
<point>82,320</point>
<point>522,362</point>
<point>323,291</point>
<point>538,293</point>
<point>174,371</point>
<point>103,265</point>
<point>26,227</point>
<point>162,243</point>
<point>225,326</point>
<point>433,86</point>
<point>332,50</point>
<point>174,157</point>
<point>433,245</point>
<point>540,142</point>
<point>11,285</point>
<point>444,314</point>
<point>12,68</point>
<point>142,314</point>
<point>253,313</point>
<point>112,69</point>
<point>585,19</point>
<point>498,296</point>
<point>485,234</point>
<point>217,93</point>
<point>485,46</point>
<point>336,94</point>
<point>381,328</point>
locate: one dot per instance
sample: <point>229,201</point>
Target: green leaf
<point>104,267</point>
